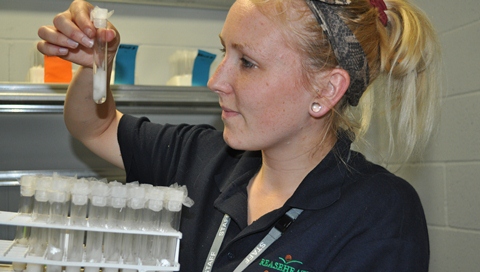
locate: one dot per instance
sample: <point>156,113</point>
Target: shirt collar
<point>320,188</point>
<point>232,184</point>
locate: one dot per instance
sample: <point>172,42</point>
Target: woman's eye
<point>246,63</point>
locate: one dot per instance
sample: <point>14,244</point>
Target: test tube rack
<point>12,252</point>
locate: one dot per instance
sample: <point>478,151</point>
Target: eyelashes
<point>245,62</point>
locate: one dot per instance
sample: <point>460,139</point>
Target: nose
<point>219,82</point>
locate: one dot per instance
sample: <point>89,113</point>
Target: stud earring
<point>316,107</point>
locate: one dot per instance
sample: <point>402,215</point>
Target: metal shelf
<point>49,98</point>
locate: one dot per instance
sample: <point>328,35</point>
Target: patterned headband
<point>347,49</point>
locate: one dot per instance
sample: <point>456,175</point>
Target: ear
<point>330,94</point>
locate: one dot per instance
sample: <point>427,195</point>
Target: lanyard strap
<point>280,227</point>
<point>217,243</point>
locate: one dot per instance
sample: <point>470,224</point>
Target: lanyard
<point>280,227</point>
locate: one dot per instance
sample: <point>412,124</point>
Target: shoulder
<point>374,181</point>
<point>384,223</point>
<point>163,153</point>
<point>141,130</point>
<point>383,200</point>
<point>133,124</point>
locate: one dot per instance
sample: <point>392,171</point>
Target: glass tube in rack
<point>115,218</point>
<point>59,198</point>
<point>27,192</point>
<point>96,218</point>
<point>78,217</point>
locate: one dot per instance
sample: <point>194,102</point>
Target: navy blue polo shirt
<point>357,216</point>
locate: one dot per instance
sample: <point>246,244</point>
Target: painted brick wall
<point>448,181</point>
<point>159,31</point>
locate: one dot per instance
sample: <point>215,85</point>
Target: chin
<point>239,144</point>
<point>233,141</point>
<point>229,140</point>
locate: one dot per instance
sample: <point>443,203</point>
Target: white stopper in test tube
<point>27,185</point>
<point>175,200</point>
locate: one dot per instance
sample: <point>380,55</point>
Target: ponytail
<point>408,81</point>
<point>405,90</point>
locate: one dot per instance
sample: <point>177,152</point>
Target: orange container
<point>57,70</point>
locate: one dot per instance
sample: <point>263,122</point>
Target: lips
<point>227,112</point>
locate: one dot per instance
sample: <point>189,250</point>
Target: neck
<point>280,176</point>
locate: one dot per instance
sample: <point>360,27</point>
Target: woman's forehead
<point>246,20</point>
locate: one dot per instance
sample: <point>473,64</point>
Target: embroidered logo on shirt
<point>287,264</point>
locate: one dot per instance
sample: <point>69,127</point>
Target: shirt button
<point>230,256</point>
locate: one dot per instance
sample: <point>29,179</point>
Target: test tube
<point>39,236</point>
<point>135,205</point>
<point>97,213</point>
<point>41,206</point>
<point>27,192</point>
<point>172,209</point>
<point>127,250</point>
<point>99,192</point>
<point>151,221</point>
<point>99,18</point>
<point>133,220</point>
<point>79,205</point>
<point>78,217</point>
<point>36,247</point>
<point>59,197</point>
<point>117,204</point>
<point>153,208</point>
<point>170,221</point>
<point>116,215</point>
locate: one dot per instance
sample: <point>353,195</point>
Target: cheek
<point>272,99</point>
<point>273,110</point>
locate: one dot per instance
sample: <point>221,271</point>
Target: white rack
<point>10,251</point>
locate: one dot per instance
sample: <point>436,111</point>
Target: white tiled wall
<point>447,180</point>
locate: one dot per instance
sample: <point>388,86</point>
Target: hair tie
<point>381,7</point>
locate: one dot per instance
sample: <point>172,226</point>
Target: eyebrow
<point>237,45</point>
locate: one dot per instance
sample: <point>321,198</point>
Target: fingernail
<point>87,42</point>
<point>72,43</point>
<point>63,51</point>
<point>89,32</point>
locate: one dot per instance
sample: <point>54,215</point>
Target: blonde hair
<point>404,61</point>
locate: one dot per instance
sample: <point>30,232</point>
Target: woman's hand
<point>72,34</point>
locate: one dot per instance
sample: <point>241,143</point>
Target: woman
<point>279,189</point>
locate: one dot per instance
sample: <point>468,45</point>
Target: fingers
<point>66,34</point>
<point>66,25</point>
<point>83,31</point>
<point>80,16</point>
<point>70,28</point>
<point>54,43</point>
<point>72,35</point>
